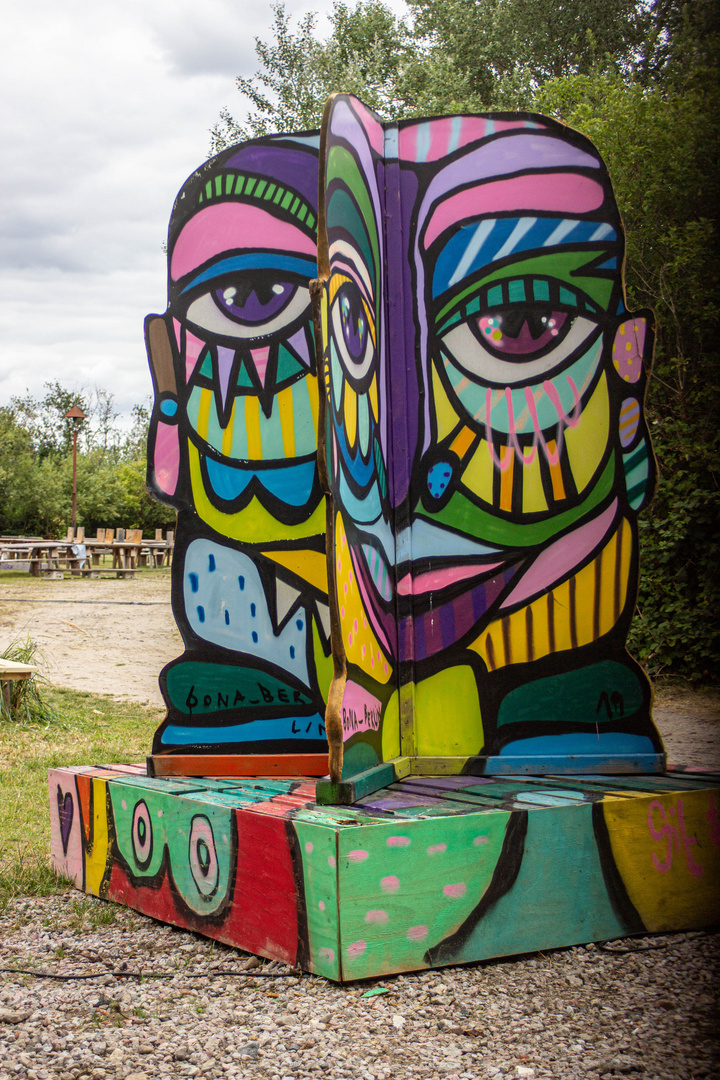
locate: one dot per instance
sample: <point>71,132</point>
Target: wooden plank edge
<point>220,765</point>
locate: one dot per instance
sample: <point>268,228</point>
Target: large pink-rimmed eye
<point>522,332</point>
<point>251,301</point>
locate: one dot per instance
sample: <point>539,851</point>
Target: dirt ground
<point>113,637</point>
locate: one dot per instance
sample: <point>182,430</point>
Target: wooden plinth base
<point>425,872</point>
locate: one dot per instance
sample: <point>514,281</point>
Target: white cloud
<point>108,108</point>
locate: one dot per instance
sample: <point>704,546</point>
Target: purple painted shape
<point>226,358</point>
<point>296,168</point>
<point>299,343</point>
<point>388,801</point>
<point>401,192</point>
<point>66,812</point>
<point>445,624</point>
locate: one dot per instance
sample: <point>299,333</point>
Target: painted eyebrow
<point>477,244</point>
<point>254,261</point>
<point>560,192</point>
<point>230,225</point>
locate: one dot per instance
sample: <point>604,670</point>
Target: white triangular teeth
<point>286,596</point>
<point>323,612</point>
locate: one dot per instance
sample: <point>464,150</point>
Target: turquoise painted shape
<point>598,693</point>
<point>559,896</point>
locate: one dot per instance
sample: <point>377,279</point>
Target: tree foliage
<point>36,466</point>
<point>640,78</point>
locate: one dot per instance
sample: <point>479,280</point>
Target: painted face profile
<point>241,253</point>
<point>489,454</point>
<point>233,444</point>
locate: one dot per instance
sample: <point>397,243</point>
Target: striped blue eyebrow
<point>255,261</point>
<point>480,243</point>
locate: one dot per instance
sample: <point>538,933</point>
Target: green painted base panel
<point>425,872</point>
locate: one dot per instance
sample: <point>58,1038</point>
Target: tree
<point>36,466</point>
<point>509,48</point>
<point>662,152</point>
<point>365,54</point>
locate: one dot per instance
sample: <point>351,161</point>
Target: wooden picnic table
<point>125,557</point>
<point>158,552</point>
<point>10,670</point>
<point>33,552</point>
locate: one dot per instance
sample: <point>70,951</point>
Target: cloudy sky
<point>106,110</point>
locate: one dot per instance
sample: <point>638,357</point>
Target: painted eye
<point>203,856</point>
<point>251,301</point>
<point>522,333</point>
<point>249,306</point>
<point>351,330</point>
<point>516,358</point>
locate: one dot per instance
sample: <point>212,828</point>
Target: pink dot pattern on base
<point>455,890</point>
<point>358,855</point>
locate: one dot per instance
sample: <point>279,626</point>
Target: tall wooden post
<point>77,416</point>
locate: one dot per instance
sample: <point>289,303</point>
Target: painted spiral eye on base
<point>142,835</point>
<point>203,856</point>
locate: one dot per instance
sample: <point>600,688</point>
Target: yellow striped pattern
<point>252,428</point>
<point>286,407</point>
<point>574,613</point>
<point>203,420</point>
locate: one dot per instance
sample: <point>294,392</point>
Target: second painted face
<point>242,251</point>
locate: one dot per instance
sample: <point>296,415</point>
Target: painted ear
<point>629,349</point>
<point>160,356</point>
<point>631,356</point>
<point>163,439</point>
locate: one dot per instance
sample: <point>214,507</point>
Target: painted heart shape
<point>66,812</point>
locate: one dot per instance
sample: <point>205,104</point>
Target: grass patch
<point>85,729</point>
<point>26,703</point>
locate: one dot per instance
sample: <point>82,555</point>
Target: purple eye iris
<point>353,320</point>
<point>254,301</point>
<point>523,332</point>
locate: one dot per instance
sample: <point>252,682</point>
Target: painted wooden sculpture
<point>476,455</point>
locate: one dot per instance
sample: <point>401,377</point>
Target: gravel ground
<point>642,1007</point>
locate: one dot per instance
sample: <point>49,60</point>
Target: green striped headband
<point>261,190</point>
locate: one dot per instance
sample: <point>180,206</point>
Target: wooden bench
<point>10,670</point>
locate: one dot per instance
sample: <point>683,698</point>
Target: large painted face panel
<point>511,383</point>
<point>233,445</point>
